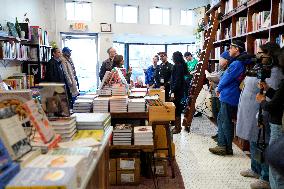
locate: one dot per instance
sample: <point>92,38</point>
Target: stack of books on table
<point>143,135</point>
<point>93,121</point>
<point>65,127</point>
<point>118,90</point>
<point>100,105</point>
<point>122,134</point>
<point>105,91</point>
<point>83,105</point>
<point>118,104</point>
<point>136,105</point>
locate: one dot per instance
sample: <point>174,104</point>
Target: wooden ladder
<point>198,78</point>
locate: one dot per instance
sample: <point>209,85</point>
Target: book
<point>8,174</point>
<point>78,143</point>
<point>96,134</point>
<point>5,159</point>
<point>12,29</point>
<point>39,121</point>
<point>54,101</point>
<point>44,178</point>
<point>14,137</point>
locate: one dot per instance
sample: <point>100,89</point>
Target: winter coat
<point>150,74</point>
<point>229,85</point>
<point>246,127</point>
<point>70,77</point>
<point>54,72</point>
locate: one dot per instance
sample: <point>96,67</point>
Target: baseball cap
<point>187,54</point>
<point>162,53</point>
<point>66,50</point>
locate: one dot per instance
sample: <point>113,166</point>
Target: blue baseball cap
<point>66,50</point>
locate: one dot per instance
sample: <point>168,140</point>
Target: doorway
<point>85,58</point>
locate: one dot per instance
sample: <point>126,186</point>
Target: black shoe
<point>198,114</point>
<point>215,136</point>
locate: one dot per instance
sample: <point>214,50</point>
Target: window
<point>186,17</point>
<point>160,16</point>
<point>126,14</point>
<point>140,58</point>
<point>79,11</point>
<point>119,47</point>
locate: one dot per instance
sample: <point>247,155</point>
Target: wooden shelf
<point>215,7</point>
<point>11,38</point>
<point>36,45</point>
<point>222,41</point>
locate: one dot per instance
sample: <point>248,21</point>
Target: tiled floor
<point>200,168</point>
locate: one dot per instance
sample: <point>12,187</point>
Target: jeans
<point>276,180</point>
<point>259,168</point>
<point>225,125</point>
<point>215,107</point>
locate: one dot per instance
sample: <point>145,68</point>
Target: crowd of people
<point>254,102</point>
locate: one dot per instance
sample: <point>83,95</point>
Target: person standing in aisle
<point>248,108</point>
<point>229,91</point>
<point>54,71</point>
<point>69,71</point>
<point>163,75</point>
<point>177,87</point>
<point>118,62</point>
<point>149,74</point>
<point>107,64</point>
<point>275,109</point>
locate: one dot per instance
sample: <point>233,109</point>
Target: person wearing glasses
<point>228,91</point>
<point>246,127</point>
<point>163,75</point>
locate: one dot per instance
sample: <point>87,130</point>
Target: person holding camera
<point>246,127</point>
<point>229,92</point>
<point>275,108</point>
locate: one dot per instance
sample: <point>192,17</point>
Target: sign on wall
<point>79,26</point>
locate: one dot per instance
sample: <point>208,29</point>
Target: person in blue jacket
<point>149,74</point>
<point>229,91</point>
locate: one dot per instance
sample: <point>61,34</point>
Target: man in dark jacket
<point>54,71</point>
<point>229,91</point>
<point>107,64</point>
<point>163,75</point>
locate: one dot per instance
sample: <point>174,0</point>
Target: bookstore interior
<point>136,94</point>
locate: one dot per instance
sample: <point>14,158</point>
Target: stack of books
<point>138,93</point>
<point>65,127</point>
<point>136,105</point>
<point>100,105</point>
<point>118,90</point>
<point>105,91</point>
<point>143,135</point>
<point>93,121</point>
<point>122,134</point>
<point>83,105</point>
<point>118,104</point>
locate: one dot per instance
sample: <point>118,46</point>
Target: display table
<point>127,116</point>
<point>97,176</point>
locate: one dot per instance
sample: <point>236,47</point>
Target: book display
<point>92,121</point>
<point>143,135</point>
<point>122,134</point>
<point>64,126</point>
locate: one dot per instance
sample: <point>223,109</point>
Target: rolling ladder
<point>199,76</point>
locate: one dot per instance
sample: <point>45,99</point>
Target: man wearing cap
<point>229,91</point>
<point>107,64</point>
<point>163,75</point>
<point>70,74</point>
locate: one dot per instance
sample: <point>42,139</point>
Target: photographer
<point>246,127</point>
<point>275,109</point>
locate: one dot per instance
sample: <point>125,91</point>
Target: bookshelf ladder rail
<point>197,82</point>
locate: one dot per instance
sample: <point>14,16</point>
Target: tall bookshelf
<point>251,21</point>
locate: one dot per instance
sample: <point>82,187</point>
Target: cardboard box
<point>112,165</point>
<point>127,164</point>
<point>128,177</point>
<point>162,113</point>
<point>161,168</point>
<point>159,92</point>
<point>112,177</point>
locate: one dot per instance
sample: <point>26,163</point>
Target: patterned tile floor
<point>202,170</point>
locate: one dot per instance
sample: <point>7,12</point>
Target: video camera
<point>260,70</point>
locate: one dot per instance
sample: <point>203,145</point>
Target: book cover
<point>46,178</point>
<point>14,137</point>
<point>39,121</point>
<point>96,134</point>
<point>8,174</point>
<point>54,99</point>
<point>12,29</point>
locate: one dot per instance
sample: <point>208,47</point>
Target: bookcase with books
<point>252,21</point>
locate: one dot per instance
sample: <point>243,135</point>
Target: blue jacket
<point>149,75</point>
<point>229,85</point>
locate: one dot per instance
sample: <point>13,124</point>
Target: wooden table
<point>127,117</point>
<point>97,176</point>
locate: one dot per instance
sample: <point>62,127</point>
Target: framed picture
<point>105,27</point>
